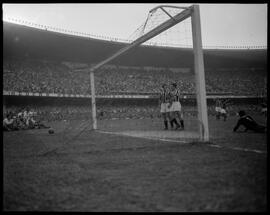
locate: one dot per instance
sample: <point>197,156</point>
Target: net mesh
<point>180,35</point>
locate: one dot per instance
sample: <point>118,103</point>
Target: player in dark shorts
<point>249,123</point>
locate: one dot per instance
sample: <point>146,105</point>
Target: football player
<point>164,103</point>
<point>249,123</point>
<point>175,106</point>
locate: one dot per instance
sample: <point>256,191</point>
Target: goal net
<point>135,108</point>
<point>179,35</point>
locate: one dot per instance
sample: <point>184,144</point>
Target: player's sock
<point>166,124</point>
<point>182,123</point>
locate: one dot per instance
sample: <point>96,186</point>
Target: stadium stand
<point>39,76</point>
<point>45,62</point>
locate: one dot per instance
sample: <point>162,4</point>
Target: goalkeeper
<point>249,123</point>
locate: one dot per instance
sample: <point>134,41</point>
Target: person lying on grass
<point>249,123</point>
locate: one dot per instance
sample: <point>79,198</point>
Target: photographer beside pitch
<point>249,123</point>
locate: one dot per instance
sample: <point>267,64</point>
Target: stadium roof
<point>22,40</point>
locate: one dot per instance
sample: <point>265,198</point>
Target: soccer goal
<point>183,13</point>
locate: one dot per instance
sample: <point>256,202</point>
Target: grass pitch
<point>77,169</point>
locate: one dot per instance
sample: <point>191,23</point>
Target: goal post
<point>193,12</point>
<point>93,100</point>
<point>199,74</point>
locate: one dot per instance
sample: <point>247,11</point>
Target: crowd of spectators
<point>41,76</point>
<point>237,81</point>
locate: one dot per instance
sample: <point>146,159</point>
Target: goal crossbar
<point>193,12</point>
<point>159,29</point>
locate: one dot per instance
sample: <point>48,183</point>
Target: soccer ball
<point>51,131</point>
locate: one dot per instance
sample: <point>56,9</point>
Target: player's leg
<point>174,109</point>
<point>167,114</point>
<point>182,119</point>
<point>163,111</point>
<point>171,115</point>
<point>176,116</point>
<point>164,116</point>
<point>180,114</point>
<point>225,116</point>
<point>173,120</point>
<point>217,115</point>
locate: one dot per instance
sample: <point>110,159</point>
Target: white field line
<point>182,141</point>
<point>150,138</point>
<point>238,149</point>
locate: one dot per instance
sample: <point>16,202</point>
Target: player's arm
<point>237,125</point>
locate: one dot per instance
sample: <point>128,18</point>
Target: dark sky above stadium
<point>222,24</point>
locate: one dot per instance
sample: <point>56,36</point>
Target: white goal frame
<point>193,12</point>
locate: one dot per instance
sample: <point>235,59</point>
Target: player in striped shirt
<point>164,103</point>
<point>175,105</point>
